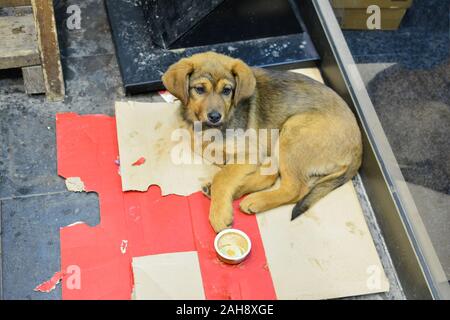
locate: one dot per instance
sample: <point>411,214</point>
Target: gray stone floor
<point>407,75</point>
<point>34,202</point>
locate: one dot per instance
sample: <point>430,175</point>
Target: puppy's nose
<point>214,117</point>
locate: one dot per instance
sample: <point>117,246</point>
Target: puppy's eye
<point>200,90</point>
<point>226,91</point>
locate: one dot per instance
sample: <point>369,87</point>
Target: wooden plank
<point>33,79</point>
<point>49,49</point>
<point>18,42</point>
<point>14,3</point>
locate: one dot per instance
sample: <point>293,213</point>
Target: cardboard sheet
<point>145,132</point>
<point>168,276</point>
<point>135,224</point>
<point>327,252</point>
<point>310,72</point>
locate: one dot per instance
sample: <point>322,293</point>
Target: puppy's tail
<point>320,190</point>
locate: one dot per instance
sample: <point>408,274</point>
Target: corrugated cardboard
<point>137,224</point>
<point>352,14</point>
<point>169,276</point>
<point>144,131</point>
<point>363,4</point>
<point>326,253</point>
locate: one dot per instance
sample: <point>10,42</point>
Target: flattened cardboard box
<point>168,276</point>
<point>363,4</point>
<point>326,253</point>
<point>356,19</point>
<point>352,14</point>
<point>139,224</point>
<point>145,131</point>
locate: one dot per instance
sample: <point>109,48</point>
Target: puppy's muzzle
<point>214,118</point>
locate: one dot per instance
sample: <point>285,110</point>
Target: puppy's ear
<point>245,81</point>
<point>176,79</point>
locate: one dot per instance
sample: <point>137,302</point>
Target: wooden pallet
<point>30,42</point>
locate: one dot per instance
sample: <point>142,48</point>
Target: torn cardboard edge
<point>147,136</point>
<point>87,147</point>
<point>155,149</point>
<point>167,96</point>
<point>75,184</point>
<point>50,285</point>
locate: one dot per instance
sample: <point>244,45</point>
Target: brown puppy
<point>319,142</point>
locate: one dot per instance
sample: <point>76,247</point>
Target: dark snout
<point>214,118</point>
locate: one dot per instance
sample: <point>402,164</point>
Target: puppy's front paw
<point>222,218</point>
<point>206,189</point>
<point>251,204</point>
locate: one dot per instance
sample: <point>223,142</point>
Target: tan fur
<point>319,144</point>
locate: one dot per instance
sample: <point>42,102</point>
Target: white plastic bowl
<point>232,246</point>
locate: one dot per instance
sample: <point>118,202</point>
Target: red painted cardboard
<point>135,224</point>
